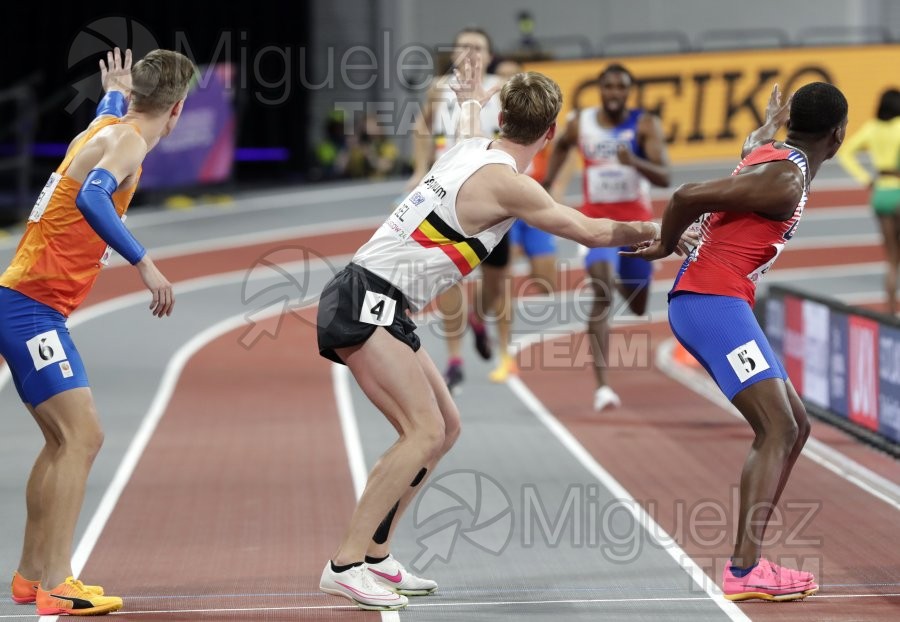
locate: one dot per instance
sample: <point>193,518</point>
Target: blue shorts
<point>535,242</point>
<point>722,333</point>
<point>633,272</point>
<point>37,346</point>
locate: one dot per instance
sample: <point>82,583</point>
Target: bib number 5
<point>377,309</point>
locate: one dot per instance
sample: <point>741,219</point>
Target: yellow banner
<point>708,102</point>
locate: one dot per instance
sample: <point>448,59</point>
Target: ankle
<point>53,580</point>
<point>376,559</point>
<point>344,567</point>
<point>29,573</point>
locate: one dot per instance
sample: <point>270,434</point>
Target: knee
<point>430,437</point>
<point>780,434</point>
<point>86,439</point>
<point>452,428</point>
<point>786,434</point>
<point>87,442</point>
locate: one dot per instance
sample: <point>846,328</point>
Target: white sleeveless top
<point>605,179</point>
<point>446,116</point>
<point>421,248</point>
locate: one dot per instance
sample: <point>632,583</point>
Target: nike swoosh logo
<point>393,578</point>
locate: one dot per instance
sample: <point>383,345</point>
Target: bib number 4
<point>377,309</point>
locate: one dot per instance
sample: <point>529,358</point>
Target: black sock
<point>337,568</point>
<point>376,560</point>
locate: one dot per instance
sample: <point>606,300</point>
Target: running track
<point>225,480</point>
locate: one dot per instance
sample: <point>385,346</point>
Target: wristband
<point>113,103</point>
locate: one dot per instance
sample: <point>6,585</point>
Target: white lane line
<point>458,604</point>
<point>815,450</point>
<point>652,528</point>
<point>340,378</point>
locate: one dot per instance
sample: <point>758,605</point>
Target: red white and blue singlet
<point>737,249</point>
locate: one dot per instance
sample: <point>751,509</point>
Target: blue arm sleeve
<point>96,203</point>
<point>113,103</point>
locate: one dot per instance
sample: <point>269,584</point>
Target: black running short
<point>356,302</point>
<point>499,257</point>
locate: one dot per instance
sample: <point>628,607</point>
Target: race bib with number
<point>377,309</point>
<point>612,183</point>
<point>761,271</point>
<point>45,349</point>
<point>747,361</point>
<point>44,197</point>
<point>411,212</point>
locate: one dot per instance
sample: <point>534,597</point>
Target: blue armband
<point>113,103</point>
<point>95,202</point>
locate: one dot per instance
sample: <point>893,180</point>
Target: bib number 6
<point>377,309</point>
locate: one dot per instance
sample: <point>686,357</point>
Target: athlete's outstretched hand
<point>115,73</point>
<point>776,112</point>
<point>163,297</point>
<point>652,251</point>
<point>469,81</point>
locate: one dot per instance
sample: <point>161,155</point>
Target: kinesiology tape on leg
<point>381,534</point>
<point>419,478</point>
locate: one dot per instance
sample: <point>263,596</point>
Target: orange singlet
<point>60,255</point>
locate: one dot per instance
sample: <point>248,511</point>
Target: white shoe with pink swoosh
<point>391,574</point>
<point>358,585</point>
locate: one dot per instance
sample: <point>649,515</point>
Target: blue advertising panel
<point>889,385</point>
<point>839,348</point>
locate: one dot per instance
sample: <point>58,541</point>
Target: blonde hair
<point>530,102</point>
<point>159,80</point>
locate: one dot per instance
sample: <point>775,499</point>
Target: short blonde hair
<point>159,80</point>
<point>530,102</point>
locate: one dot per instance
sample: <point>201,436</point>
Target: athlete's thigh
<point>390,374</point>
<point>448,408</point>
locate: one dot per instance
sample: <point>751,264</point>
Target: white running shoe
<point>391,574</point>
<point>606,398</point>
<point>357,585</point>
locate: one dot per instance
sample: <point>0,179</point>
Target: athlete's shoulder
<point>123,138</point>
